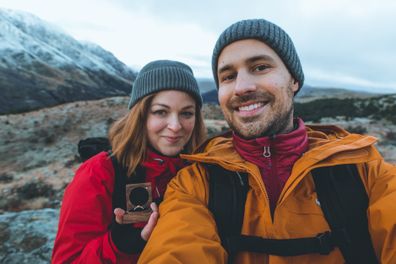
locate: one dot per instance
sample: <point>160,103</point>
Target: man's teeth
<point>250,107</point>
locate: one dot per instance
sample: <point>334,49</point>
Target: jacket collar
<point>323,140</point>
<point>293,144</point>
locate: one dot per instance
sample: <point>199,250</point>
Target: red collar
<point>294,143</point>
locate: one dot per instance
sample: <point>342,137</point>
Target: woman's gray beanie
<point>163,75</point>
<point>264,31</point>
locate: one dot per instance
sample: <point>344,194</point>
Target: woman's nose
<point>174,124</point>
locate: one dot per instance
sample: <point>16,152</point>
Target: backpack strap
<point>227,196</point>
<point>120,181</point>
<point>344,202</point>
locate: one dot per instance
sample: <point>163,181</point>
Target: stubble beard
<point>276,124</point>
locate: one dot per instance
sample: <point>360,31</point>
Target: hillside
<point>43,143</point>
<point>43,66</point>
<point>39,157</point>
<point>376,108</point>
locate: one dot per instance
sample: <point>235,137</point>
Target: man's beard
<point>278,123</point>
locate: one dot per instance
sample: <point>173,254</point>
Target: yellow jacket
<point>186,230</point>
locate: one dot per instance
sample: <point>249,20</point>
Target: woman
<point>164,120</point>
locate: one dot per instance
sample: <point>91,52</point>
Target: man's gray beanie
<point>264,31</point>
<point>163,75</point>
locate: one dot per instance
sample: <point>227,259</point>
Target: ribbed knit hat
<point>264,31</point>
<point>163,75</point>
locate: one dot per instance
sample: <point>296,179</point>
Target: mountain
<point>206,85</point>
<point>43,66</point>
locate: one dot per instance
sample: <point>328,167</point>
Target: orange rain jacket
<point>186,231</point>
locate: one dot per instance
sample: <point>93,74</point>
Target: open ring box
<point>138,200</point>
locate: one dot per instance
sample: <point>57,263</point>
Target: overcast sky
<point>341,43</point>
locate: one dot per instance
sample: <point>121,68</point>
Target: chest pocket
<point>301,214</point>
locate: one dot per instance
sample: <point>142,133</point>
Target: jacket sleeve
<point>186,230</point>
<point>85,216</point>
<point>382,209</point>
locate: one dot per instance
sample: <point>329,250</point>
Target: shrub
<point>5,178</point>
<point>35,189</point>
<point>357,129</point>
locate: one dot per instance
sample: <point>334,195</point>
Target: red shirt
<point>275,157</point>
<point>86,213</point>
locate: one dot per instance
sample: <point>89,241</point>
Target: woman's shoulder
<point>96,169</point>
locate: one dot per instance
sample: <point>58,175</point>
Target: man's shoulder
<point>330,141</point>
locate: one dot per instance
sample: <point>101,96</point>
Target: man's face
<point>255,89</point>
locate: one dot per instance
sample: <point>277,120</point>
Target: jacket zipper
<point>272,165</point>
<point>273,175</point>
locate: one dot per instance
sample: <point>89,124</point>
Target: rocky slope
<point>43,66</point>
<point>39,157</point>
<point>28,236</point>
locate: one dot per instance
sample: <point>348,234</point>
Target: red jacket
<point>86,214</point>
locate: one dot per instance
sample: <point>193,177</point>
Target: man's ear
<point>295,85</point>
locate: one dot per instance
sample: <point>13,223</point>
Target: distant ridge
<point>307,93</point>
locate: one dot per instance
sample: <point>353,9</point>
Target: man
<point>258,72</point>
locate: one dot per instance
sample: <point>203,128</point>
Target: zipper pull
<point>267,152</point>
<point>240,179</point>
<point>160,161</point>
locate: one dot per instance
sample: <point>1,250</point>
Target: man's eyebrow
<point>224,68</point>
<point>260,57</point>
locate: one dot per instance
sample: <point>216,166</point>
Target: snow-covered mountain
<point>41,66</point>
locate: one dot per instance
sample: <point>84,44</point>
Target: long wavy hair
<point>128,135</point>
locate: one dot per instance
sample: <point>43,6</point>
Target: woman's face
<point>170,121</point>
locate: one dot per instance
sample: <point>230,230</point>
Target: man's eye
<point>228,77</point>
<point>260,68</point>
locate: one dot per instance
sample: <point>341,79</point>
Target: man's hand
<point>152,222</point>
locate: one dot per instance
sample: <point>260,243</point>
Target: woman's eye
<point>187,114</point>
<point>159,112</point>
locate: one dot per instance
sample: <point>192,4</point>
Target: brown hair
<point>128,135</point>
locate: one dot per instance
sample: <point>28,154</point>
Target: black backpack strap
<point>120,181</point>
<point>227,197</point>
<point>344,202</point>
<point>321,244</point>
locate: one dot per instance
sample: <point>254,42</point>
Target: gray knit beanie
<point>267,32</point>
<point>163,75</point>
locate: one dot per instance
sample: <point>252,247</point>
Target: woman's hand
<point>148,228</point>
<point>119,213</point>
<point>152,222</point>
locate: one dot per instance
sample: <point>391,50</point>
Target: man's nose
<point>244,83</point>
